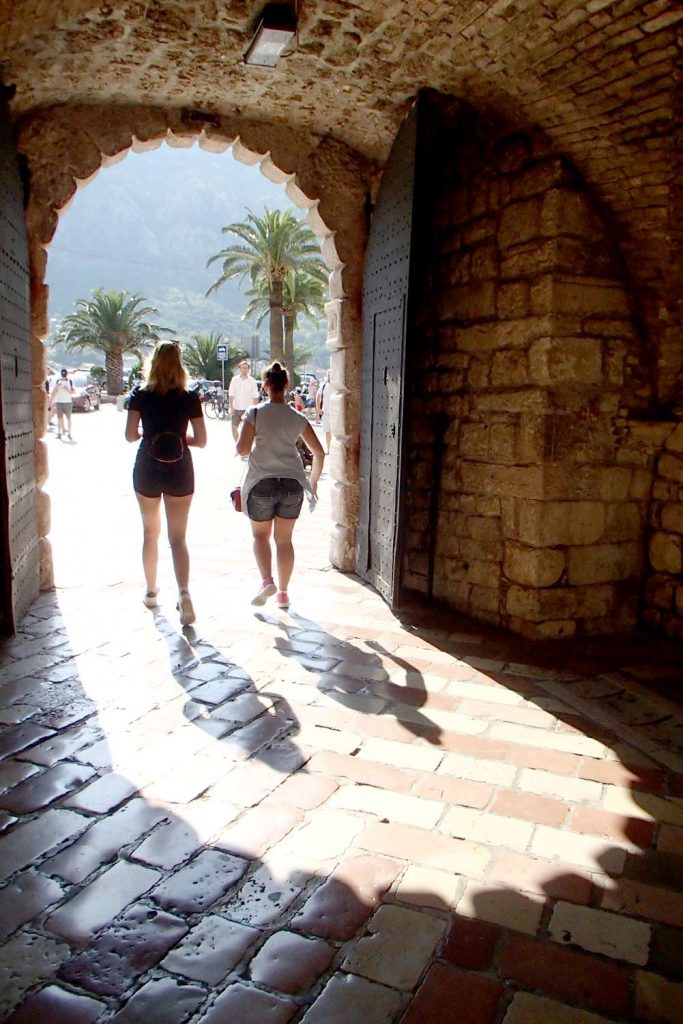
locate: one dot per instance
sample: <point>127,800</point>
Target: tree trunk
<point>113,362</point>
<point>276,331</point>
<point>288,320</point>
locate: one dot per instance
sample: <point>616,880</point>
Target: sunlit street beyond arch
<point>96,534</point>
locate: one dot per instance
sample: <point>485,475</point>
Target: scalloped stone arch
<point>66,147</point>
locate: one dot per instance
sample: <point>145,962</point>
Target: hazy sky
<point>153,220</point>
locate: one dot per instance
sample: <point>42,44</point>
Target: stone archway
<point>67,146</point>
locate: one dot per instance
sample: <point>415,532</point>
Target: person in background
<point>163,466</point>
<point>242,394</point>
<point>61,397</point>
<point>50,406</point>
<point>322,405</point>
<point>298,400</point>
<point>273,489</point>
<point>312,393</point>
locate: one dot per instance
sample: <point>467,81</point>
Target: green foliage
<point>113,323</point>
<point>98,374</point>
<point>301,359</point>
<point>191,313</point>
<point>136,374</point>
<point>269,247</point>
<point>200,356</point>
<point>303,294</point>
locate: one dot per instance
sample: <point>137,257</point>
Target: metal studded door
<point>385,308</point>
<point>19,562</point>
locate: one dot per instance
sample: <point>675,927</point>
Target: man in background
<point>62,398</point>
<point>322,404</point>
<point>242,394</point>
<point>312,393</point>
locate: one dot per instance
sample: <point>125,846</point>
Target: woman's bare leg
<point>150,509</point>
<point>177,511</point>
<point>261,545</point>
<point>284,551</point>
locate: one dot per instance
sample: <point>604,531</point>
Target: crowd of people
<point>166,420</point>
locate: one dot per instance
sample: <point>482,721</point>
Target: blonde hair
<point>166,370</point>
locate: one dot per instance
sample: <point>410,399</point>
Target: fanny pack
<point>167,446</point>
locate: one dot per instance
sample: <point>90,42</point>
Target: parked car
<point>86,394</point>
<point>206,388</point>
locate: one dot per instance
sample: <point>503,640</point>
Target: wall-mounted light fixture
<point>201,117</point>
<point>274,33</point>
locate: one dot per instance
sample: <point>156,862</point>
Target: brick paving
<point>333,814</point>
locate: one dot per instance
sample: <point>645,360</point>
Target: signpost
<point>222,354</point>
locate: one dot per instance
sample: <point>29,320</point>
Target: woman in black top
<point>163,466</point>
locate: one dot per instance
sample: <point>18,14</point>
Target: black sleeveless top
<point>171,411</point>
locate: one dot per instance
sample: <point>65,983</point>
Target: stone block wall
<point>524,368</point>
<point>663,598</point>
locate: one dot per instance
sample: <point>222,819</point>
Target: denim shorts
<point>151,479</point>
<point>275,496</point>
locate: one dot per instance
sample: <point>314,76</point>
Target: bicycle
<point>216,407</point>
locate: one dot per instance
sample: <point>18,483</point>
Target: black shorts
<point>152,478</point>
<point>275,496</point>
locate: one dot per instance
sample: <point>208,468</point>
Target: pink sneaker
<point>266,590</point>
<point>282,600</point>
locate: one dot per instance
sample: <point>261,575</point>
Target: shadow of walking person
<point>359,675</point>
<point>224,702</point>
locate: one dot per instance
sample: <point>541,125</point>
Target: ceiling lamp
<point>273,35</point>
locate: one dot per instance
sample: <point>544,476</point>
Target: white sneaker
<point>150,598</point>
<point>186,608</point>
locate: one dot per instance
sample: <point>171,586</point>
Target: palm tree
<point>200,356</point>
<point>303,294</point>
<point>113,323</point>
<point>269,247</point>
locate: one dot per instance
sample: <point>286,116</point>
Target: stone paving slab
<point>333,814</point>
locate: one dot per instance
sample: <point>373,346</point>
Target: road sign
<point>222,352</point>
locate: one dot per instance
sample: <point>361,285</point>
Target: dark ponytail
<point>276,377</point>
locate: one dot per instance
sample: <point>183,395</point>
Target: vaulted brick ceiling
<point>600,76</point>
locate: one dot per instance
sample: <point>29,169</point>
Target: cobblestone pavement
<point>325,816</point>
